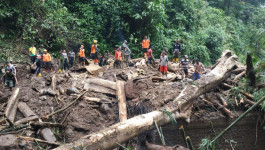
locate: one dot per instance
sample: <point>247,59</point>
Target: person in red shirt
<point>82,55</point>
<point>118,58</point>
<point>145,45</point>
<point>94,52</point>
<point>150,56</point>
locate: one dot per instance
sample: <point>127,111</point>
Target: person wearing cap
<point>199,69</point>
<point>94,53</point>
<point>150,57</point>
<point>184,65</point>
<point>38,64</point>
<point>145,45</point>
<point>9,79</point>
<point>47,61</point>
<point>63,61</point>
<point>71,58</point>
<point>82,55</point>
<point>176,51</point>
<point>118,59</point>
<point>32,51</point>
<point>163,63</point>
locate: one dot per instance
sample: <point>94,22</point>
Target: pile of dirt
<point>146,90</point>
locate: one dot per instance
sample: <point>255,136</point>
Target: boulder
<point>94,69</point>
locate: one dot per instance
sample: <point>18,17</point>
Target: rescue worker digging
<point>38,64</point>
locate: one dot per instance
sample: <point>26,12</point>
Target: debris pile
<point>55,109</point>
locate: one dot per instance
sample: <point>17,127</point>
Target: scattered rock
<point>80,126</point>
<point>70,91</point>
<point>104,108</point>
<point>43,98</point>
<point>94,69</point>
<point>48,135</point>
<point>8,142</point>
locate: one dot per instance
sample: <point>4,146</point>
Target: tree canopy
<point>205,28</point>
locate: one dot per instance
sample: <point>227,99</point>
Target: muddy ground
<point>84,117</point>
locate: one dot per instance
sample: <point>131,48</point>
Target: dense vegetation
<point>205,28</point>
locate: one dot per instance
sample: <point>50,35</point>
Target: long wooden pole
<point>120,94</point>
<point>238,119</point>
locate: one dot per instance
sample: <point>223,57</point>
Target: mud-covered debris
<point>43,98</point>
<point>8,142</point>
<point>79,126</point>
<point>104,108</point>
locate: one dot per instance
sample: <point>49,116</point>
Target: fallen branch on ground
<point>67,106</point>
<point>38,140</point>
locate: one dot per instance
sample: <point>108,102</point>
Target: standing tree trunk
<point>180,109</point>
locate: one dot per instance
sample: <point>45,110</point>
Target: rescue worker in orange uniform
<point>94,53</point>
<point>47,61</point>
<point>145,45</point>
<point>118,59</point>
<point>82,55</point>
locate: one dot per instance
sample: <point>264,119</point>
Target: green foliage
<point>206,145</point>
<point>205,29</point>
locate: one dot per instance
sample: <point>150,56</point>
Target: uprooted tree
<point>180,109</point>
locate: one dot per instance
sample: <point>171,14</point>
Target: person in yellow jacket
<point>94,53</point>
<point>47,61</point>
<point>32,51</point>
<point>82,55</point>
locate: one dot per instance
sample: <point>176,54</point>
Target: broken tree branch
<point>238,119</point>
<point>67,106</point>
<point>38,140</point>
<point>241,91</point>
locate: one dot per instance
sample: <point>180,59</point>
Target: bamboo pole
<point>189,142</point>
<point>184,135</point>
<point>238,119</point>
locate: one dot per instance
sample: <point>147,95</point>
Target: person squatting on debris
<point>46,58</point>
<point>11,67</point>
<point>145,45</point>
<point>71,58</point>
<point>176,51</point>
<point>163,64</point>
<point>32,51</point>
<point>199,69</point>
<point>184,65</point>
<point>118,59</point>
<point>63,62</point>
<point>9,79</point>
<point>94,53</point>
<point>150,57</point>
<point>38,64</point>
<point>82,55</point>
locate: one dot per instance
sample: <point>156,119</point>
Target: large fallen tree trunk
<point>11,108</point>
<point>180,108</point>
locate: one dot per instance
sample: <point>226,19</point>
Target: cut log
<point>13,113</point>
<point>223,108</point>
<point>92,99</point>
<point>100,85</point>
<point>25,110</point>
<point>12,105</point>
<point>180,109</point>
<point>120,94</point>
<point>37,124</point>
<point>26,120</point>
<point>239,75</point>
<point>159,147</point>
<point>221,99</point>
<point>61,90</point>
<point>53,84</point>
<point>94,69</point>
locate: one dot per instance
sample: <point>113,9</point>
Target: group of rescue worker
<point>42,59</point>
